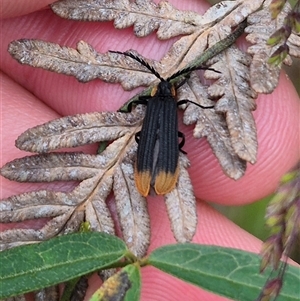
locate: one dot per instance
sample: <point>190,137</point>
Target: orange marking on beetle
<point>154,91</point>
<point>142,182</point>
<point>166,181</point>
<point>173,91</point>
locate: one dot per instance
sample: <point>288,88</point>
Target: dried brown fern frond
<point>229,127</point>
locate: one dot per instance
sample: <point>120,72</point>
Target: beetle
<point>158,148</point>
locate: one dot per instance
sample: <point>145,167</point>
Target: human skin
<point>32,96</point>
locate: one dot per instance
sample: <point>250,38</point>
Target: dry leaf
<point>145,16</point>
<point>294,45</point>
<point>181,205</point>
<point>189,47</point>
<point>236,99</point>
<point>131,206</point>
<point>67,210</point>
<point>264,77</point>
<point>212,126</point>
<point>84,63</point>
<point>72,131</point>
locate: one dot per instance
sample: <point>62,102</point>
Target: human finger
<point>15,8</point>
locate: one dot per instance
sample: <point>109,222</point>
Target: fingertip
<point>212,229</point>
<point>16,8</point>
<point>277,120</point>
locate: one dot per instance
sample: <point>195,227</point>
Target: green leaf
<point>134,293</point>
<point>276,37</point>
<point>124,285</point>
<point>227,272</point>
<point>276,7</point>
<point>279,55</point>
<point>32,267</point>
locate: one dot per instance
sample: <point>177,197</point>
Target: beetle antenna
<point>141,61</point>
